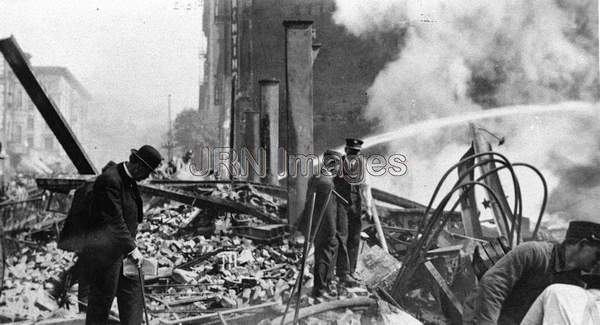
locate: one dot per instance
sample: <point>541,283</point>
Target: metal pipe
<point>440,183</point>
<point>269,130</point>
<point>298,283</point>
<point>306,248</point>
<point>424,242</point>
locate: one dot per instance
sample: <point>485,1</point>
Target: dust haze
<point>128,54</point>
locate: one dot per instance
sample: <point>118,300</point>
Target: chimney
<point>269,115</point>
<point>252,133</point>
<point>299,57</point>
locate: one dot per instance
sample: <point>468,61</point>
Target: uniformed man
<point>509,288</point>
<point>324,231</point>
<point>348,185</point>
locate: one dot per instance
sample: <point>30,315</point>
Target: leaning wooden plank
<point>457,310</point>
<point>205,201</point>
<point>326,306</point>
<point>48,109</point>
<point>390,198</point>
<point>379,229</point>
<point>468,203</point>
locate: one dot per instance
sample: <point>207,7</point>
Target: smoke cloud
<point>463,56</point>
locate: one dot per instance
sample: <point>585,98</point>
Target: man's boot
<point>347,280</point>
<point>323,294</point>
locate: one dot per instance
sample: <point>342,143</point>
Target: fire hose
<point>429,234</point>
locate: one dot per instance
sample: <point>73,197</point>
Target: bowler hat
<point>148,156</point>
<point>354,143</point>
<point>579,230</point>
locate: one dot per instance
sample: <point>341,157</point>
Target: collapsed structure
<point>222,253</point>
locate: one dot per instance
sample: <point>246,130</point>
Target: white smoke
<point>460,56</point>
<point>520,44</point>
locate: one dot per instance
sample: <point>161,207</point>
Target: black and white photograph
<point>302,162</point>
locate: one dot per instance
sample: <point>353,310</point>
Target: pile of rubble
<point>28,279</point>
<point>194,276</point>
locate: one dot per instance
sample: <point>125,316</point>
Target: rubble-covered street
<point>303,162</point>
<point>198,276</point>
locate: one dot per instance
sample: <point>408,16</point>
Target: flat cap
<point>579,230</point>
<point>355,144</point>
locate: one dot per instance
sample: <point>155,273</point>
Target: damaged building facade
<point>246,42</point>
<point>29,144</point>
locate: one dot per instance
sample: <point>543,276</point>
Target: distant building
<point>246,43</point>
<point>24,131</point>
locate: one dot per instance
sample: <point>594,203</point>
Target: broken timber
<point>326,306</point>
<point>196,319</point>
<point>50,112</point>
<point>190,184</point>
<point>205,201</point>
<point>64,185</point>
<point>390,198</point>
<point>468,204</point>
<point>457,310</point>
<point>493,181</point>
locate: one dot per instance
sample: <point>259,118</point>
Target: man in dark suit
<point>115,213</point>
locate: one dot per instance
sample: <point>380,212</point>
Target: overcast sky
<point>135,52</point>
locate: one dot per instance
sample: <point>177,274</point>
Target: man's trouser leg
<point>342,260</point>
<point>83,284</point>
<point>353,241</point>
<point>106,283</point>
<point>104,280</point>
<point>130,300</point>
<point>325,249</point>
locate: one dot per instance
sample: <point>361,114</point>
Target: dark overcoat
<point>116,210</point>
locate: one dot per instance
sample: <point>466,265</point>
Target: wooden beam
<point>326,306</point>
<point>64,185</point>
<point>206,201</point>
<point>379,229</point>
<point>457,309</point>
<point>493,181</point>
<point>198,319</point>
<point>468,204</point>
<point>390,198</point>
<point>50,112</point>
